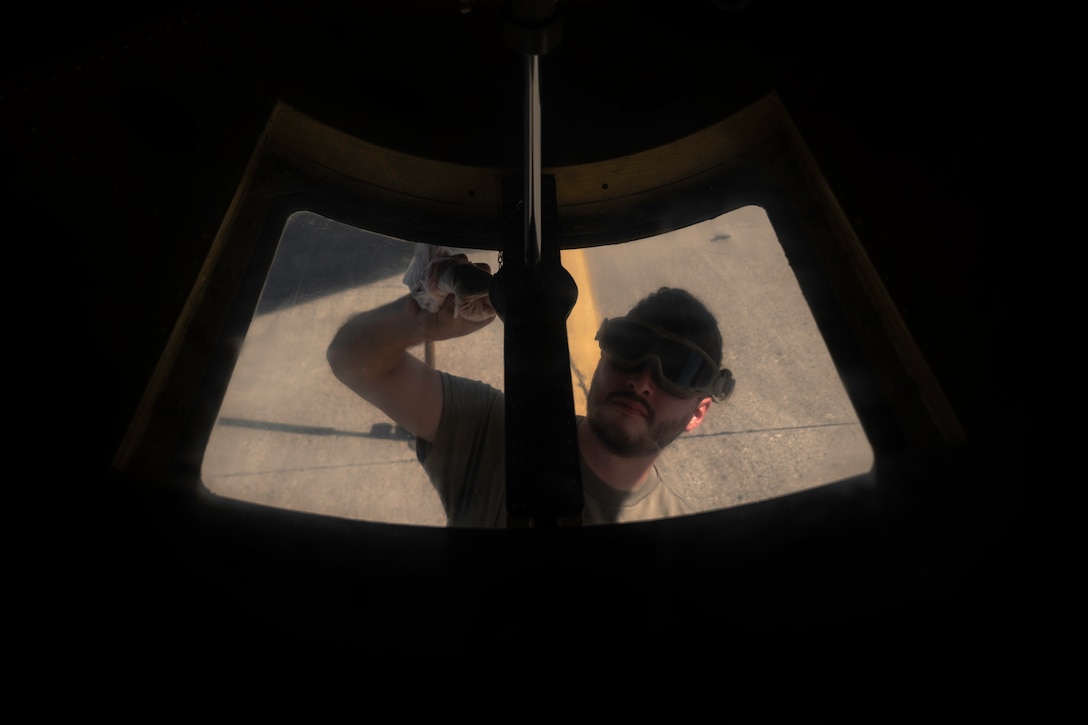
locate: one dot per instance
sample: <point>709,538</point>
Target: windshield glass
<point>289,434</point>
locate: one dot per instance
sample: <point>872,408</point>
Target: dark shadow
<point>380,431</point>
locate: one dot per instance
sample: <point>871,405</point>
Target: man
<point>660,371</point>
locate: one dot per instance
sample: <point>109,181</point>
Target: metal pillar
<point>533,295</point>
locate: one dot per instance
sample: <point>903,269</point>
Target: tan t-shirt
<point>467,465</point>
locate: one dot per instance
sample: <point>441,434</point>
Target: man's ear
<point>698,415</point>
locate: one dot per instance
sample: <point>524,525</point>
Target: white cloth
<point>436,272</point>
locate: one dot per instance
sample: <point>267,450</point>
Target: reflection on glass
<point>290,435</point>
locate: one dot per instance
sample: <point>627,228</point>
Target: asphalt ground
<point>290,435</point>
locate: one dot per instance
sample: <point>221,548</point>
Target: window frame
<point>755,157</point>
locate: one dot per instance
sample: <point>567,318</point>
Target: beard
<point>621,434</point>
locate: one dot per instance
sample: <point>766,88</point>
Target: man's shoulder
<point>665,494</point>
<point>466,402</point>
<point>457,385</point>
<point>671,503</point>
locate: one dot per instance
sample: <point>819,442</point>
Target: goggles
<point>680,367</point>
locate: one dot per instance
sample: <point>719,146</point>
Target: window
<point>289,435</point>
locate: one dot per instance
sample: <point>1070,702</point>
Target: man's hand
<point>436,273</point>
<point>443,324</point>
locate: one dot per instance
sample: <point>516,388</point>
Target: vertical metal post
<point>533,166</point>
<point>533,295</point>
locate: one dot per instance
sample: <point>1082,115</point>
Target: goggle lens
<point>686,369</point>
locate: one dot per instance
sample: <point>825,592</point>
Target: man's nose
<point>642,380</point>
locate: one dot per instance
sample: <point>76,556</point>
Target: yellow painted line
<point>582,324</point>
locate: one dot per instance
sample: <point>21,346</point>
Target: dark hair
<point>681,313</point>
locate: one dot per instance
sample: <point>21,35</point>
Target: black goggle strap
<point>719,386</point>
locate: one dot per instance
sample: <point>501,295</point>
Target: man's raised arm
<point>370,355</point>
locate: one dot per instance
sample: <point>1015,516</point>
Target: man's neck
<point>619,472</point>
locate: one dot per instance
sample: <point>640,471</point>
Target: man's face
<point>633,416</point>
